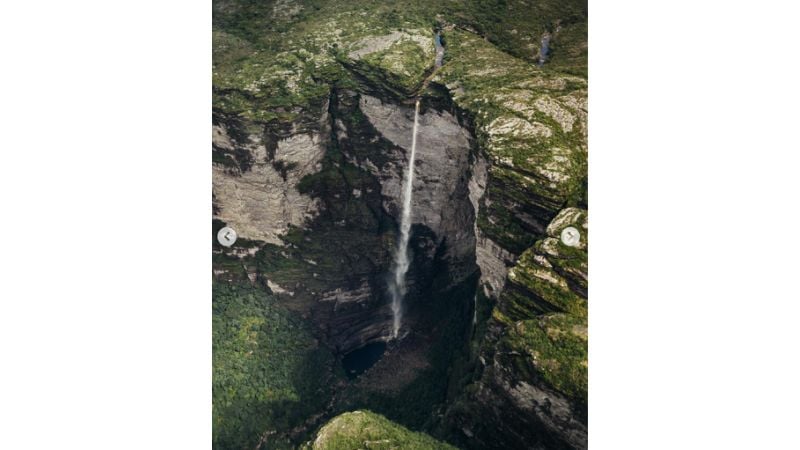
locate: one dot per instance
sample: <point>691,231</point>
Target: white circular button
<point>226,236</point>
<point>571,237</point>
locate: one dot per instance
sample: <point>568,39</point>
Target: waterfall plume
<point>397,285</point>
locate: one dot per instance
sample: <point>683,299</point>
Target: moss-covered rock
<point>548,324</point>
<point>397,62</point>
<point>536,353</point>
<point>531,124</point>
<point>366,430</point>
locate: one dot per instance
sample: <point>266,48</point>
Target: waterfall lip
<point>397,285</point>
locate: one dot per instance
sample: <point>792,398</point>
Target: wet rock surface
<point>441,197</point>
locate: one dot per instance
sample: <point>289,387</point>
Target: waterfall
<point>475,310</point>
<point>545,49</point>
<point>437,43</point>
<point>397,286</point>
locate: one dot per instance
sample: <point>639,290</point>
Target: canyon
<point>312,136</point>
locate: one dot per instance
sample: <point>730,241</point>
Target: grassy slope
<point>366,430</point>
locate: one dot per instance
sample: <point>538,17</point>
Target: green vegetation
<point>516,27</point>
<point>522,112</point>
<point>547,285</point>
<point>556,348</point>
<point>268,371</point>
<point>283,53</point>
<point>399,69</point>
<point>544,312</point>
<point>366,430</point>
<point>275,65</point>
<point>279,59</point>
<point>531,124</point>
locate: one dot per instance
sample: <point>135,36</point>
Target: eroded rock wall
<point>324,196</point>
<point>531,392</point>
<point>441,184</point>
<point>374,134</point>
<point>257,195</point>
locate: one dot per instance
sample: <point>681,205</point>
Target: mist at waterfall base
<point>397,283</point>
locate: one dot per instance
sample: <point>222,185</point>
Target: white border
<point>105,325</point>
<point>693,203</point>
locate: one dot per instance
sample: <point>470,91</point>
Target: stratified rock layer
<point>532,388</point>
<point>260,200</point>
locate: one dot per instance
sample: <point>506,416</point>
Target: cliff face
<point>316,204</point>
<point>313,119</point>
<point>533,379</point>
<point>373,136</point>
<point>333,215</point>
<point>259,169</point>
<point>441,194</point>
<point>529,387</point>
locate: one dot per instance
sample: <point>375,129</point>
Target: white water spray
<point>397,286</point>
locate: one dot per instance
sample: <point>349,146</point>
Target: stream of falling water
<point>397,286</point>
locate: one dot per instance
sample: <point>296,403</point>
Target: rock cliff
<point>531,391</point>
<point>312,125</point>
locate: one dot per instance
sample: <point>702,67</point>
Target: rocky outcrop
<point>258,195</point>
<point>532,129</point>
<point>317,228</point>
<point>494,262</point>
<point>355,319</point>
<point>532,388</point>
<point>392,65</point>
<point>492,259</point>
<point>365,429</point>
<point>374,44</point>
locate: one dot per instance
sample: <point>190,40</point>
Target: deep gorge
<point>311,177</point>
<point>350,245</point>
